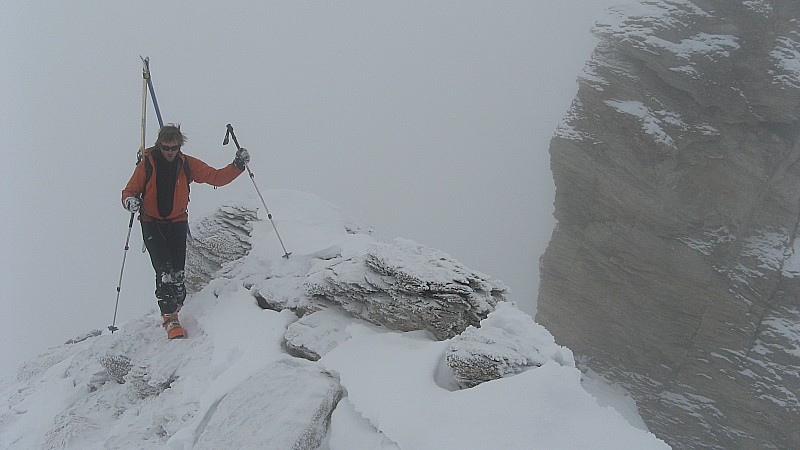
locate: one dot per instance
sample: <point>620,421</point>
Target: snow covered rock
<point>406,286</point>
<point>84,336</point>
<point>336,261</point>
<point>672,269</point>
<point>116,367</point>
<point>507,342</point>
<point>217,240</point>
<point>287,405</point>
<point>145,385</point>
<point>66,431</point>
<point>317,333</point>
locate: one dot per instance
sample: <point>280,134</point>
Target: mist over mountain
<point>428,121</point>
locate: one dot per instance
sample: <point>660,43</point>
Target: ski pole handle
<point>230,133</point>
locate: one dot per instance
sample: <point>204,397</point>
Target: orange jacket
<point>200,172</point>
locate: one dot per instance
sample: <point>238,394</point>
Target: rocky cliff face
<point>673,268</point>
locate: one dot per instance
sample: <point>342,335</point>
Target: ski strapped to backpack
<point>147,84</point>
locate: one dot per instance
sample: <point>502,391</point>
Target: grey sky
<point>427,120</point>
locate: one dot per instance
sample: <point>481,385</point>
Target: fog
<point>426,120</point>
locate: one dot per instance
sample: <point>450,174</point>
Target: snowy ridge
<point>233,384</point>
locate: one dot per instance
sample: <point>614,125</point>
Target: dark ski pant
<point>166,243</point>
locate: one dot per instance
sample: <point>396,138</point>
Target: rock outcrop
<point>401,285</point>
<point>673,267</point>
<point>317,333</point>
<point>299,421</point>
<point>217,241</point>
<point>406,286</point>
<point>508,342</point>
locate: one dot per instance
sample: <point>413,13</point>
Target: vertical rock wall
<point>672,268</point>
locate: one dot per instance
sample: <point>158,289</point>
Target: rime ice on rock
<point>216,241</point>
<point>116,367</point>
<point>507,342</point>
<point>406,286</point>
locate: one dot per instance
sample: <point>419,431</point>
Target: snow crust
<point>232,380</point>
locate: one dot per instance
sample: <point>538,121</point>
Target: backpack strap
<point>148,173</point>
<point>187,170</point>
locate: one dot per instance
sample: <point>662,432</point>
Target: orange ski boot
<point>173,327</point>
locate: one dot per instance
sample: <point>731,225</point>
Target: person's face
<point>170,149</point>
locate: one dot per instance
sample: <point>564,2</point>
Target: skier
<point>159,190</point>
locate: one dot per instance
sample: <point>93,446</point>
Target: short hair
<point>171,132</point>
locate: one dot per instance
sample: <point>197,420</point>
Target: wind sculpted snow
<point>234,384</point>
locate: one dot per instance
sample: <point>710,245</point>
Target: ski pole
<point>231,134</point>
<point>139,156</point>
<point>113,328</point>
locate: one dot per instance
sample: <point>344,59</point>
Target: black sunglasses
<point>170,148</point>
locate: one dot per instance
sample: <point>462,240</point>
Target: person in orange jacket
<point>159,191</point>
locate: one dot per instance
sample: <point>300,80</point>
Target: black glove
<point>242,158</point>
